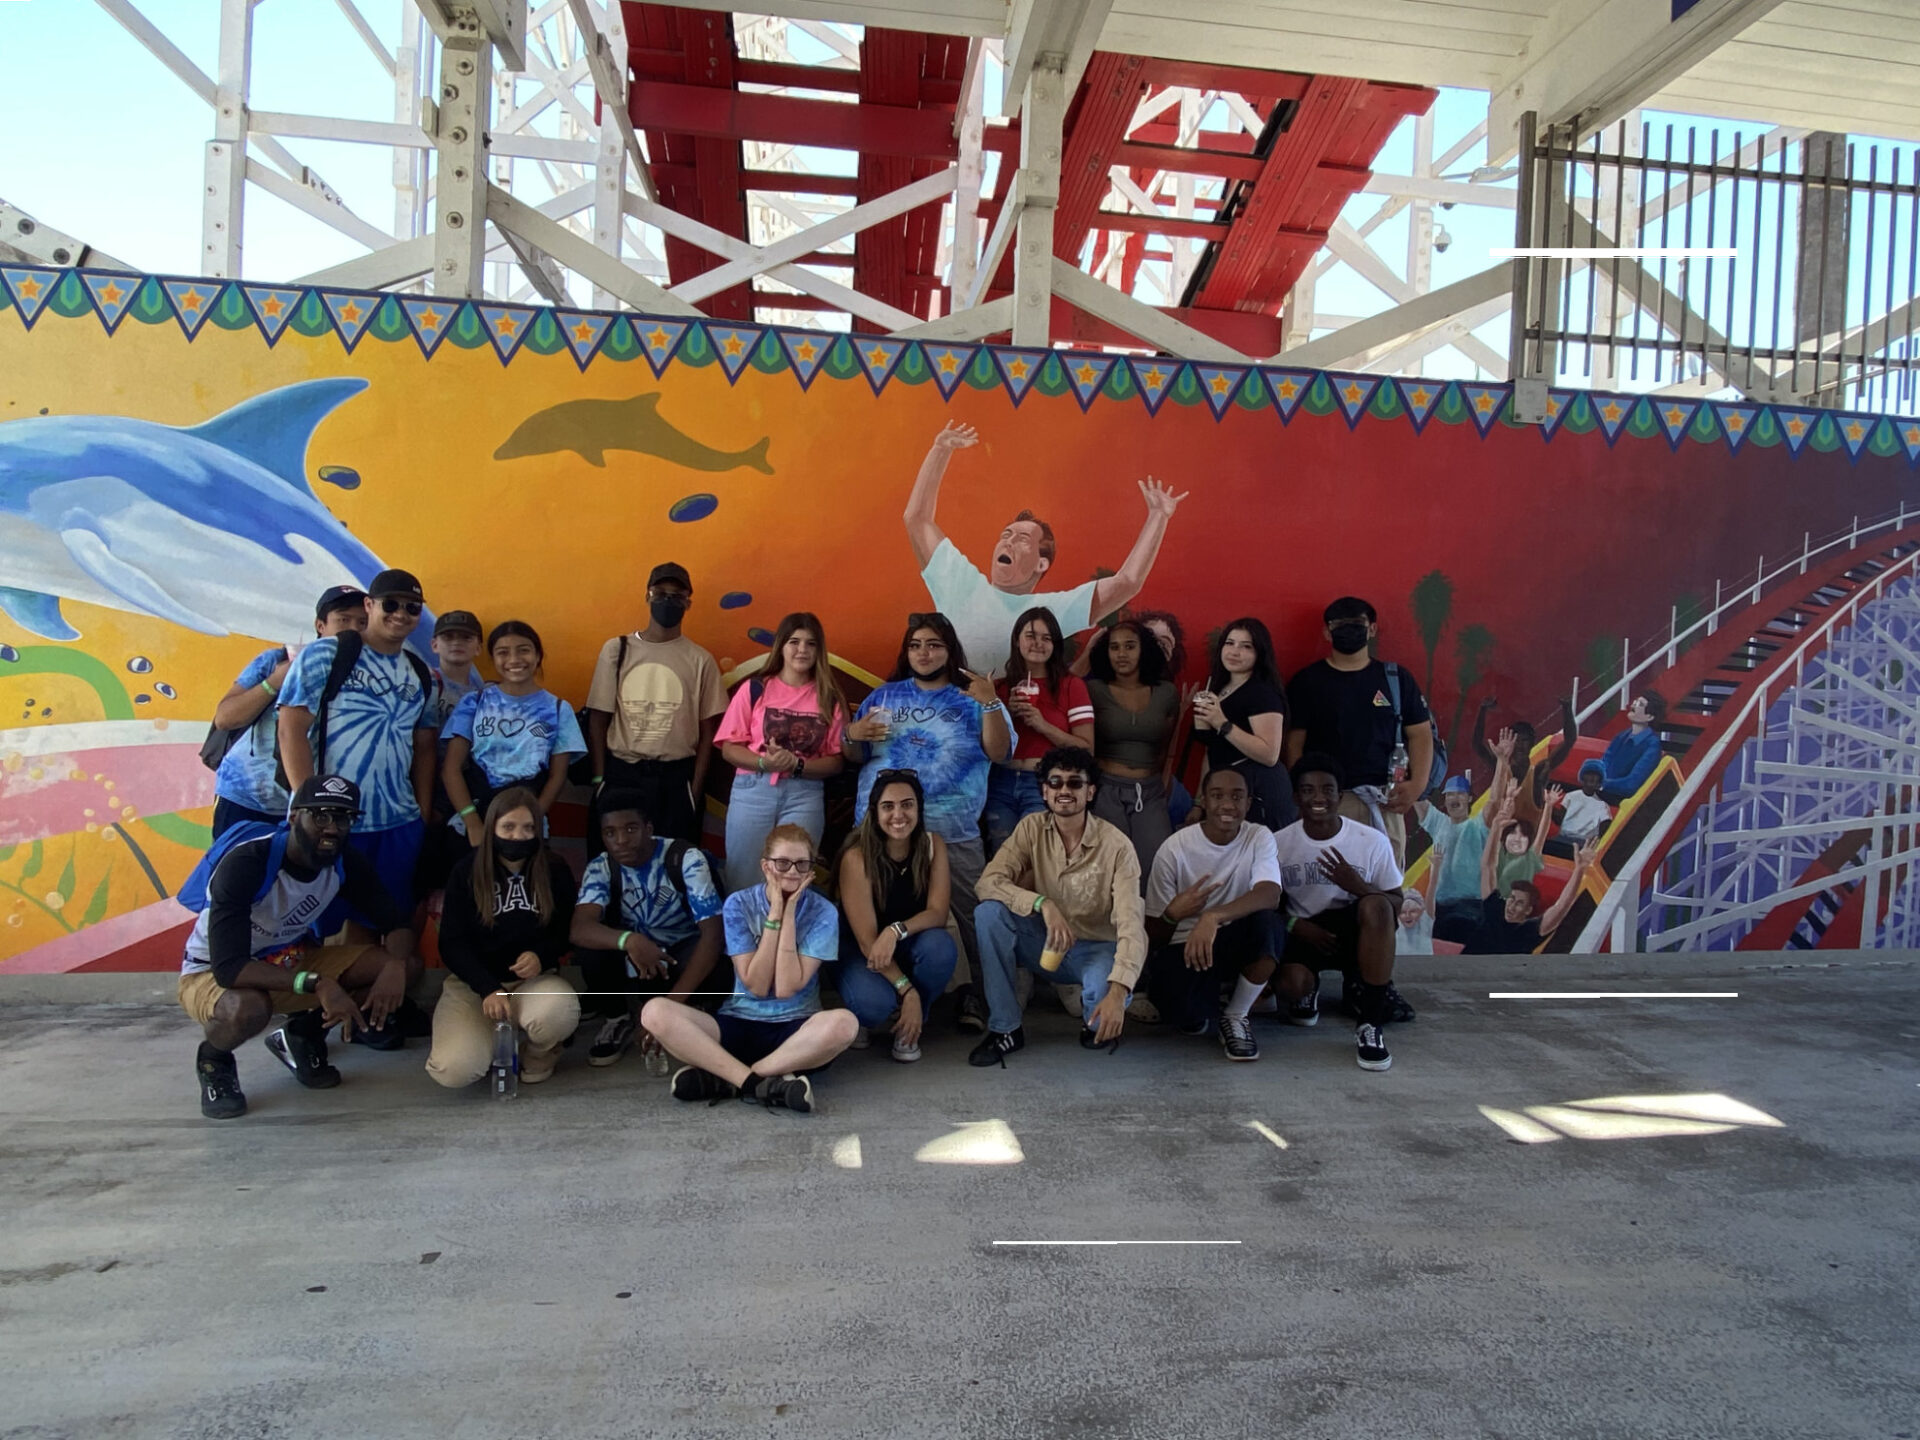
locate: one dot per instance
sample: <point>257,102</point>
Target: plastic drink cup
<point>1028,690</point>
<point>881,716</point>
<point>1050,959</point>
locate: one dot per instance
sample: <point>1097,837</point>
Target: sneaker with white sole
<point>1236,1038</point>
<point>612,1041</point>
<point>1371,1048</point>
<point>903,1052</point>
<point>789,1092</point>
<point>1305,1010</point>
<point>862,1038</point>
<point>1143,1011</point>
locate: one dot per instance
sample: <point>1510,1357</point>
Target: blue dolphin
<point>213,527</point>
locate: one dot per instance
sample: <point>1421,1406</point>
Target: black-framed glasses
<point>1066,782</point>
<point>392,606</point>
<point>788,867</point>
<point>331,816</point>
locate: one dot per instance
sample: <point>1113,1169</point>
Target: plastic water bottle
<point>1398,763</point>
<point>506,1061</point>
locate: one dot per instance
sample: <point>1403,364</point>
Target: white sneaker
<point>906,1054</point>
<point>1070,999</point>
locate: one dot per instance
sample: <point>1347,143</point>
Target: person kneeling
<point>502,934</point>
<point>1343,897</point>
<point>255,951</point>
<point>1215,890</point>
<point>771,1030</point>
<point>894,885</point>
<point>1061,897</point>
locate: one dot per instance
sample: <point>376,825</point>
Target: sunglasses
<point>788,867</point>
<point>887,777</point>
<point>1066,782</point>
<point>412,607</point>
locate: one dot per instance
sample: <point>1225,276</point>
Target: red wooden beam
<point>1184,160</point>
<point>1243,81</point>
<point>1159,225</point>
<point>785,120</point>
<point>800,77</point>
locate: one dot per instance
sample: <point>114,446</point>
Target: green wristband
<point>467,810</point>
<point>621,943</point>
<point>267,685</point>
<point>902,985</point>
<point>1039,903</point>
<point>300,980</point>
<point>769,924</point>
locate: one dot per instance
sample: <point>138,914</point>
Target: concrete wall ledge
<point>1475,974</point>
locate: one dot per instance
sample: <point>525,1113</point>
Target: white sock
<point>1245,992</point>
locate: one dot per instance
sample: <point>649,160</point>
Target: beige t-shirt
<point>664,693</point>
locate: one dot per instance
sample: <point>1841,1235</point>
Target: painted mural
<point>186,464</point>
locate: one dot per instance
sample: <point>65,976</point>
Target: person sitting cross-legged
<point>1214,894</point>
<point>1343,897</point>
<point>647,922</point>
<point>255,951</point>
<point>1064,889</point>
<point>894,885</point>
<point>502,933</point>
<point>771,1031</point>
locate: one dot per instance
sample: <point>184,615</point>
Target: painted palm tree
<point>1432,601</point>
<point>1471,647</point>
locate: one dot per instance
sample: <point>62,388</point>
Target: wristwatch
<point>899,928</point>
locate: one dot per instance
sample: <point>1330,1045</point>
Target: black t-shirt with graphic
<point>1348,714</point>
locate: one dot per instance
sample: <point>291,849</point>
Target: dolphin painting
<point>590,428</point>
<point>212,527</point>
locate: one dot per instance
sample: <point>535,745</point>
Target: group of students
<point>1032,822</point>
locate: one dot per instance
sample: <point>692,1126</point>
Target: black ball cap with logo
<point>326,792</point>
<point>396,582</point>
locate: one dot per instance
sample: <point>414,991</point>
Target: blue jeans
<point>755,807</point>
<point>927,958</point>
<point>1008,941</point>
<point>1012,795</point>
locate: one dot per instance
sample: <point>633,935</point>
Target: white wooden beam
<point>1409,318</point>
<point>223,199</point>
<point>406,260</point>
<point>460,182</point>
<point>972,324</point>
<point>1052,35</point>
<point>609,82</point>
<point>1156,327</point>
<point>579,254</point>
<point>1040,149</point>
<point>305,201</point>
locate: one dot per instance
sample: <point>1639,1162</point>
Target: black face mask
<point>668,610</point>
<point>1349,636</point>
<point>514,849</point>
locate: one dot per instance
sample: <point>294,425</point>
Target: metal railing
<point>1814,294</point>
<point>1613,918</point>
<point>1664,650</point>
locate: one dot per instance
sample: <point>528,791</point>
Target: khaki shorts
<point>200,992</point>
<point>1392,823</point>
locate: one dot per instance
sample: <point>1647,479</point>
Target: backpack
<point>1437,772</point>
<point>193,890</point>
<point>675,862</point>
<point>580,771</point>
<point>345,656</point>
<point>214,748</point>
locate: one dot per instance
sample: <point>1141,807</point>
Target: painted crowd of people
<point>1019,821</point>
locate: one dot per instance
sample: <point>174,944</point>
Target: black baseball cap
<point>1349,607</point>
<point>670,571</point>
<point>339,597</point>
<point>396,582</point>
<point>464,621</point>
<point>326,792</point>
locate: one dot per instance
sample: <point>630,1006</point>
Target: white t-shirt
<point>1309,893</point>
<point>1188,857</point>
<point>1585,814</point>
<point>983,616</point>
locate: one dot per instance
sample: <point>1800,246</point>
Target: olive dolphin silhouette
<point>590,428</point>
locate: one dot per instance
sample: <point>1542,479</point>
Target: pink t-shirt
<point>787,716</point>
<point>1069,707</point>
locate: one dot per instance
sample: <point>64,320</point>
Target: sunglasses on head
<point>887,777</point>
<point>1066,782</point>
<point>391,605</point>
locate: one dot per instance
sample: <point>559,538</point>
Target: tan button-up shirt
<point>1098,886</point>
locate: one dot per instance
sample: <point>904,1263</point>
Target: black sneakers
<point>788,1092</point>
<point>692,1083</point>
<point>1371,1046</point>
<point>301,1046</point>
<point>1399,1012</point>
<point>997,1046</point>
<point>1305,1010</point>
<point>220,1095</point>
<point>1236,1038</point>
<point>972,1014</point>
<point>1090,1040</point>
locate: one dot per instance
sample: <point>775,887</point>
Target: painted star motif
<point>804,351</point>
<point>1483,403</point>
<point>658,339</point>
<point>28,287</point>
<point>110,293</point>
<point>1913,435</point>
<point>1855,430</point>
<point>877,357</point>
<point>1220,385</point>
<point>1352,393</point>
<point>272,306</point>
<point>949,362</point>
<point>506,325</point>
<point>430,319</point>
<point>1086,374</point>
<point>1153,379</point>
<point>1420,397</point>
<point>583,332</point>
<point>1612,411</point>
<point>1736,423</point>
<point>732,345</point>
<point>1286,389</point>
<point>1674,416</point>
<point>1017,369</point>
<point>1795,425</point>
<point>192,300</point>
<point>1553,407</point>
<point>349,313</point>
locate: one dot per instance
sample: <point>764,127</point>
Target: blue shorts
<point>751,1041</point>
<point>395,853</point>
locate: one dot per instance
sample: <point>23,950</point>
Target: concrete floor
<point>597,1260</point>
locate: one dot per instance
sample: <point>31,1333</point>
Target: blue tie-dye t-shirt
<point>649,902</point>
<point>370,726</point>
<point>935,733</point>
<point>249,772</point>
<point>447,696</point>
<point>514,736</point>
<point>818,937</point>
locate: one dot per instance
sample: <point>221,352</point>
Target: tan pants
<point>200,992</point>
<point>547,1008</point>
<point>1394,824</point>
